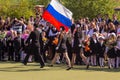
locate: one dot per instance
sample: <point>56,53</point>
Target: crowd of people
<point>94,42</point>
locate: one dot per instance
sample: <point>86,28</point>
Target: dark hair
<point>62,27</point>
<point>18,32</point>
<point>72,27</point>
<point>22,17</point>
<point>0,18</point>
<point>35,25</point>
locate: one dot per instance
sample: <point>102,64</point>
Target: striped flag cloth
<point>58,15</point>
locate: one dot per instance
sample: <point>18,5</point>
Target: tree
<point>90,8</point>
<point>15,8</point>
<point>18,8</point>
<point>80,8</point>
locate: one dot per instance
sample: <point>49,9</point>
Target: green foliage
<point>15,8</point>
<point>80,8</point>
<point>90,8</point>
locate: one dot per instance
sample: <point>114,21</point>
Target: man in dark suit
<point>34,44</point>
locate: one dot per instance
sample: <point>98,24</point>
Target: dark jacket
<point>93,46</point>
<point>101,49</point>
<point>17,43</point>
<point>34,39</point>
<point>33,42</point>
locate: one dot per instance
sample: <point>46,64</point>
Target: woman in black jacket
<point>62,48</point>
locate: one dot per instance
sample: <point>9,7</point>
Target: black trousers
<point>36,55</point>
<point>10,54</point>
<point>1,55</point>
<point>17,55</point>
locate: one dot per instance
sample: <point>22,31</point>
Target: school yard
<point>17,71</point>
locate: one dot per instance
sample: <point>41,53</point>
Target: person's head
<point>15,20</point>
<point>114,17</point>
<point>47,24</point>
<point>54,29</point>
<point>8,19</point>
<point>26,32</point>
<point>103,22</point>
<point>94,36</point>
<point>14,33</point>
<point>31,18</point>
<point>35,26</point>
<point>78,28</point>
<point>22,18</point>
<point>106,16</point>
<point>18,33</point>
<point>93,25</point>
<point>62,29</point>
<point>87,37</point>
<point>41,26</point>
<point>101,38</point>
<point>111,26</point>
<point>43,33</point>
<point>112,36</point>
<point>30,27</point>
<point>99,16</point>
<point>37,15</point>
<point>85,27</point>
<point>87,21</point>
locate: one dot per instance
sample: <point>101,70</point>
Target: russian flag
<point>58,15</point>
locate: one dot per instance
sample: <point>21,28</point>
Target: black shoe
<point>50,65</point>
<point>42,66</point>
<point>109,67</point>
<point>69,68</point>
<point>87,66</point>
<point>24,63</point>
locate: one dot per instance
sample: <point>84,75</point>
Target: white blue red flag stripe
<point>58,15</point>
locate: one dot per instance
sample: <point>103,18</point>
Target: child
<point>110,49</point>
<point>101,50</point>
<point>87,51</point>
<point>93,47</point>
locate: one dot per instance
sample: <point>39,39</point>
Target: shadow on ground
<point>19,67</point>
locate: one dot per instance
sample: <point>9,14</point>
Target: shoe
<point>109,67</point>
<point>57,62</point>
<point>24,63</point>
<point>87,66</point>
<point>50,65</point>
<point>42,66</point>
<point>69,68</point>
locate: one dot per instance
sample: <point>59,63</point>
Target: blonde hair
<point>112,26</point>
<point>93,25</point>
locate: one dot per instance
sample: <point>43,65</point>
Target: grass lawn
<point>16,71</point>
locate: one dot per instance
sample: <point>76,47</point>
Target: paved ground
<point>16,71</point>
